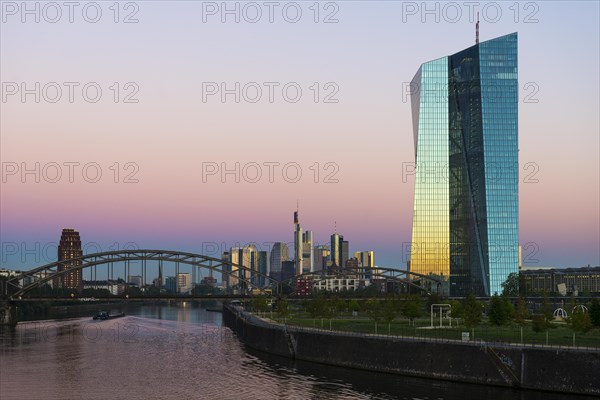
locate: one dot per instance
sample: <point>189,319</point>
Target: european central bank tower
<point>466,208</point>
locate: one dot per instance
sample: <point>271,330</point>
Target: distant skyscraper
<point>279,253</point>
<point>345,251</point>
<point>288,270</point>
<point>321,256</point>
<point>336,249</point>
<point>184,283</point>
<point>339,251</point>
<point>261,280</point>
<point>247,257</point>
<point>171,284</point>
<point>307,252</point>
<point>70,247</point>
<point>352,264</point>
<point>297,244</point>
<point>366,258</point>
<point>465,221</point>
<point>135,280</point>
<point>225,276</point>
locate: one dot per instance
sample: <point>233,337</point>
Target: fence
<point>519,337</point>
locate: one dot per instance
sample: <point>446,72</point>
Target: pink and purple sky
<point>369,55</point>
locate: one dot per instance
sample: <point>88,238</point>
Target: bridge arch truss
<point>16,287</point>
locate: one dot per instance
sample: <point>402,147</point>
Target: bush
<point>540,323</point>
<point>594,310</point>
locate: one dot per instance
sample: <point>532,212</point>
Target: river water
<point>184,352</point>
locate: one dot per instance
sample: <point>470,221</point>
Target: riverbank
<point>558,370</point>
<point>559,335</point>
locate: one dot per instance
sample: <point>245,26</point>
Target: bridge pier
<point>8,313</point>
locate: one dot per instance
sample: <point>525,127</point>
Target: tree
<point>521,313</point>
<point>510,287</point>
<point>319,307</point>
<point>316,305</point>
<point>471,310</point>
<point>259,304</point>
<point>411,308</point>
<point>282,307</point>
<point>203,290</point>
<point>594,310</point>
<point>547,307</point>
<point>353,305</point>
<point>455,309</point>
<point>433,299</point>
<point>389,312</point>
<point>340,305</point>
<point>374,311</point>
<point>580,321</point>
<point>500,311</point>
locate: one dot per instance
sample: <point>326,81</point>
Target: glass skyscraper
<point>465,125</point>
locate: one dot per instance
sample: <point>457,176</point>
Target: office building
<point>366,259</point>
<point>263,269</point>
<point>297,244</point>
<point>307,252</point>
<point>171,284</point>
<point>465,123</point>
<point>336,250</point>
<point>226,275</point>
<point>578,281</point>
<point>246,256</point>
<point>345,251</point>
<point>279,253</point>
<point>184,283</point>
<point>70,247</point>
<point>135,280</point>
<point>321,256</point>
<point>288,270</point>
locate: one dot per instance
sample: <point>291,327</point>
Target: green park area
<point>500,319</point>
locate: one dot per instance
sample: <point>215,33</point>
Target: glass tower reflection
<point>465,122</point>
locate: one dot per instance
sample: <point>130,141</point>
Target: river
<point>184,352</point>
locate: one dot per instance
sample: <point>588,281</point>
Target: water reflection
<point>175,351</point>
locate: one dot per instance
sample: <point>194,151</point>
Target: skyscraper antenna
<point>477,30</point>
<point>335,226</point>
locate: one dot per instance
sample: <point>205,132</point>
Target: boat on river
<point>104,315</point>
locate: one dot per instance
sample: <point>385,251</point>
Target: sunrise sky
<point>367,58</point>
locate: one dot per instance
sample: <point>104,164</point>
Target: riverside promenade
<point>565,370</point>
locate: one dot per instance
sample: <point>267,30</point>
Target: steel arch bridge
<point>15,287</point>
<point>396,275</point>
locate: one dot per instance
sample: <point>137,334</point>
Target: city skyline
<point>402,195</point>
<point>369,128</point>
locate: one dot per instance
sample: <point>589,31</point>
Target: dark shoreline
<point>30,311</point>
<point>539,369</point>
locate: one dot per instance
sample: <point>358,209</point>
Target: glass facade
<point>430,251</point>
<point>465,121</point>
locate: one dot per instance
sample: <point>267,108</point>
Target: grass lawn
<point>559,335</point>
